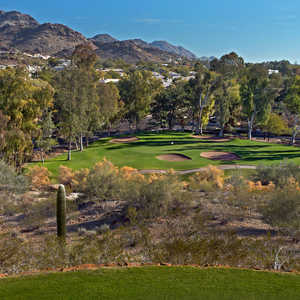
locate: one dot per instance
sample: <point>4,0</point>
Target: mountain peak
<point>178,50</point>
<point>103,39</point>
<point>15,18</point>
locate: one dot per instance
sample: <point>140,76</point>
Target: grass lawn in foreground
<point>142,153</point>
<point>154,283</point>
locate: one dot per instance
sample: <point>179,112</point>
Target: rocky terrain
<point>23,33</point>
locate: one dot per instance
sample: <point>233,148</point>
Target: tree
<point>229,65</point>
<point>109,104</point>
<point>170,104</point>
<point>202,90</point>
<point>67,85</point>
<point>45,142</point>
<point>257,94</point>
<point>77,97</point>
<point>137,91</point>
<point>84,59</point>
<point>276,125</point>
<point>292,102</point>
<point>227,103</point>
<point>21,107</point>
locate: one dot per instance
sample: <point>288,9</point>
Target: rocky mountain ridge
<point>22,32</point>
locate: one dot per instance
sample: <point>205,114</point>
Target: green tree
<point>137,91</point>
<point>170,105</point>
<point>276,125</point>
<point>22,108</point>
<point>109,104</point>
<point>229,65</point>
<point>227,103</point>
<point>257,92</point>
<point>202,90</point>
<point>292,102</point>
<point>77,97</point>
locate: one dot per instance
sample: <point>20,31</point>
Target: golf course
<point>178,151</point>
<point>154,283</point>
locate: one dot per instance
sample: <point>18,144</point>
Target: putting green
<point>143,153</point>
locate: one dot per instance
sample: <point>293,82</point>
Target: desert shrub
<point>39,177</point>
<point>10,246</point>
<point>150,196</point>
<point>73,180</point>
<point>12,188</point>
<point>80,180</point>
<point>282,210</point>
<point>104,182</point>
<point>153,196</point>
<point>163,194</point>
<point>11,181</point>
<point>66,176</point>
<point>208,179</point>
<point>37,212</point>
<point>279,174</point>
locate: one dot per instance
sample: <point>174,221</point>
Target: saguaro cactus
<point>61,212</point>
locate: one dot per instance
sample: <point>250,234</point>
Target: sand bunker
<point>212,138</point>
<point>219,155</point>
<point>173,157</point>
<point>124,140</point>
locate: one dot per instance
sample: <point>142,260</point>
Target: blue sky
<point>258,30</point>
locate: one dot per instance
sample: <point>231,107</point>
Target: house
<point>273,72</point>
<point>109,80</point>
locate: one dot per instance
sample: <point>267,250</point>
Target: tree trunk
<point>250,126</point>
<point>221,133</point>
<point>249,133</point>
<point>198,125</point>
<point>201,129</point>
<point>81,142</point>
<point>293,140</point>
<point>76,144</point>
<point>70,150</point>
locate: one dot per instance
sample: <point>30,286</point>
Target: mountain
<point>14,18</point>
<point>133,52</point>
<point>100,39</point>
<point>24,33</point>
<point>206,58</point>
<point>178,50</point>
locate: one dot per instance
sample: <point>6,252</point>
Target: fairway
<point>142,153</point>
<point>154,283</point>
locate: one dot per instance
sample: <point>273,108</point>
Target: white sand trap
<point>124,140</point>
<point>173,157</point>
<point>219,155</point>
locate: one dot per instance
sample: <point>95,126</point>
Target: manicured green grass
<point>142,153</point>
<point>154,283</point>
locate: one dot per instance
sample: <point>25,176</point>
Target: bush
<point>208,179</point>
<point>12,186</point>
<point>73,180</point>
<point>104,182</point>
<point>158,195</point>
<point>39,177</point>
<point>10,181</point>
<point>279,174</point>
<point>283,210</point>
